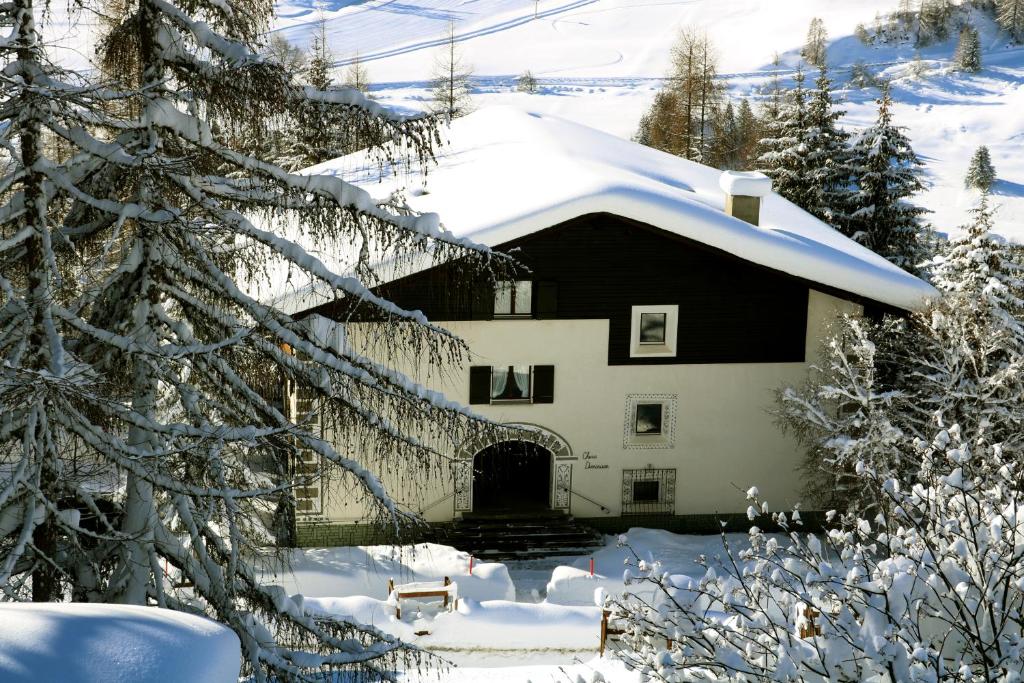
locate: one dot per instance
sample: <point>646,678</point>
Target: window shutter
<point>482,304</point>
<point>479,384</point>
<point>546,293</point>
<point>544,384</point>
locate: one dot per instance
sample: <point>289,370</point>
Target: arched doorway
<point>512,476</point>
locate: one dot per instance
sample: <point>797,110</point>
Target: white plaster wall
<point>725,437</point>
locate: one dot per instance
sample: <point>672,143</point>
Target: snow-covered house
<point>663,306</point>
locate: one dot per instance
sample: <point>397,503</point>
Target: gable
<point>730,311</point>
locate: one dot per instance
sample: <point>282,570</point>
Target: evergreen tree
<point>162,366</point>
<point>814,52</point>
<point>784,146</point>
<point>981,173</point>
<point>933,21</point>
<point>1010,15</point>
<point>321,59</point>
<point>450,84</point>
<point>749,128</point>
<point>959,362</point>
<point>968,51</point>
<point>527,82</point>
<point>827,157</point>
<point>886,172</point>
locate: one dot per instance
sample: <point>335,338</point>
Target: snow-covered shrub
<point>931,590</point>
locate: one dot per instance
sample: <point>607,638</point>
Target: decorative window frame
<point>669,409</point>
<point>645,350</point>
<point>666,503</point>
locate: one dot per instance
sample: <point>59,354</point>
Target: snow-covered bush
<point>931,590</point>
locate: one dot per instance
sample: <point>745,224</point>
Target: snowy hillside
<point>599,62</point>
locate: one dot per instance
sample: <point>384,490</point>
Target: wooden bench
<point>607,630</point>
<point>423,589</point>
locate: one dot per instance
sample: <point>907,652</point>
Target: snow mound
<point>506,173</point>
<point>365,570</point>
<point>77,642</point>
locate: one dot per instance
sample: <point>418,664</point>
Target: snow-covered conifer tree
<point>981,173</point>
<point>968,51</point>
<point>828,157</point>
<point>1010,14</point>
<point>959,361</point>
<point>933,21</point>
<point>159,362</point>
<point>886,171</point>
<point>784,145</point>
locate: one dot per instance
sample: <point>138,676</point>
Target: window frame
<point>514,285</point>
<point>661,418</point>
<point>529,389</point>
<point>665,349</point>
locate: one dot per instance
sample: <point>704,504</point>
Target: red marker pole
<point>591,566</point>
<point>471,565</point>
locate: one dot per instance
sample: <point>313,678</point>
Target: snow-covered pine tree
<point>321,58</point>
<point>526,82</point>
<point>172,232</point>
<point>827,157</point>
<point>1010,15</point>
<point>451,79</point>
<point>968,51</point>
<point>969,348</point>
<point>933,21</point>
<point>960,361</point>
<point>814,52</point>
<point>981,173</point>
<point>886,172</point>
<point>784,145</point>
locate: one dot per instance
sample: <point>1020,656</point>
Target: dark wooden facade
<point>599,266</point>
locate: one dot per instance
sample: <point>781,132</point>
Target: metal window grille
<point>649,492</point>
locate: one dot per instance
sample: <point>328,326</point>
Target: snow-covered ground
<point>533,621</point>
<point>88,643</point>
<point>600,62</point>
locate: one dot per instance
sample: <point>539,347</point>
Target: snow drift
<point>87,643</point>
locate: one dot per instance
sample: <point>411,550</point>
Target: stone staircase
<point>503,536</point>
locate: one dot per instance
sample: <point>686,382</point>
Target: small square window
<point>513,297</point>
<point>648,418</point>
<point>510,383</point>
<point>652,328</point>
<point>646,491</point>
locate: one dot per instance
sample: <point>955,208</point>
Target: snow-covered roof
<point>504,173</point>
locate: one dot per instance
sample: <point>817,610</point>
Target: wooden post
<point>398,602</point>
<point>811,628</point>
<point>447,582</point>
<point>604,631</point>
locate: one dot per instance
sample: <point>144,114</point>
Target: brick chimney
<point>743,193</point>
